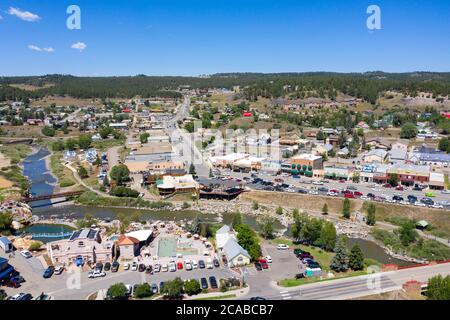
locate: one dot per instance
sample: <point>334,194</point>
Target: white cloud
<point>79,46</point>
<point>24,15</point>
<point>36,48</point>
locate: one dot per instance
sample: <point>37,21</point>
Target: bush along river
<point>43,182</point>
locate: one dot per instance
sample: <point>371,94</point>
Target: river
<point>42,182</point>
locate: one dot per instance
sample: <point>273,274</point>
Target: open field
<point>66,101</point>
<point>29,87</point>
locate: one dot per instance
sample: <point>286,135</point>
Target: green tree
<point>144,137</point>
<point>237,219</point>
<point>48,131</point>
<point>407,233</point>
<point>266,225</point>
<point>58,145</point>
<point>325,209</point>
<point>356,258</point>
<point>104,132</point>
<point>173,289</point>
<point>120,174</point>
<point>340,261</point>
<point>346,209</point>
<point>117,291</point>
<point>320,135</point>
<point>279,211</point>
<point>84,141</point>
<point>6,220</point>
<point>195,225</point>
<point>192,287</point>
<point>393,179</point>
<point>192,169</point>
<point>143,291</point>
<point>408,131</point>
<point>327,239</point>
<point>371,214</point>
<point>444,144</point>
<point>255,205</point>
<point>82,172</point>
<point>71,144</point>
<point>248,239</point>
<point>438,288</point>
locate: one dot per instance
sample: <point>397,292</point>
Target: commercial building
<point>170,184</point>
<point>83,246</point>
<point>305,164</point>
<point>5,269</point>
<point>6,244</point>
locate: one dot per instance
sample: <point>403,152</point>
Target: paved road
<point>361,286</point>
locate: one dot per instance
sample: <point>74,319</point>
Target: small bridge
<point>52,196</point>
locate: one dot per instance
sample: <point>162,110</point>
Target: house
<point>376,156</point>
<point>235,254</point>
<point>83,246</point>
<point>343,152</point>
<point>91,155</point>
<point>224,234</point>
<point>322,149</point>
<point>128,247</point>
<point>6,244</point>
<point>70,155</point>
<point>398,152</point>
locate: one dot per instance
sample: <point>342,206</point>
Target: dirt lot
<point>66,101</point>
<point>4,184</point>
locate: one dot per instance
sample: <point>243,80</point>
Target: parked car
<point>399,188</point>
<point>188,265</point>
<point>264,264</point>
<point>172,267</point>
<point>21,297</point>
<point>430,195</point>
<point>204,283</point>
<point>164,268</point>
<point>387,185</point>
<point>141,267</point>
<point>358,194</point>
<point>180,265</point>
<point>154,287</point>
<point>194,264</point>
<point>209,263</point>
<point>282,246</point>
<point>201,264</point>
<point>115,266</point>
<point>258,266</point>
<point>26,254</point>
<point>149,269</point>
<point>349,196</point>
<point>98,267</point>
<point>161,286</point>
<point>134,266</point>
<point>412,199</point>
<point>268,259</point>
<point>126,266</point>
<point>48,272</point>
<point>59,270</point>
<point>96,274</point>
<point>107,266</point>
<point>157,268</point>
<point>257,298</point>
<point>216,263</point>
<point>427,201</point>
<point>213,282</point>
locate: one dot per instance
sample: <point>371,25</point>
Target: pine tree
<point>371,218</point>
<point>325,209</point>
<point>356,258</point>
<point>339,263</point>
<point>346,209</point>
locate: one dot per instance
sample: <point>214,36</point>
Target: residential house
<point>376,156</point>
<point>235,255</point>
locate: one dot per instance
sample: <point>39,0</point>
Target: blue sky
<point>192,37</point>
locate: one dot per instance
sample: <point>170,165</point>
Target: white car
<point>268,259</point>
<point>96,274</point>
<point>134,266</point>
<point>318,183</point>
<point>194,264</point>
<point>445,191</point>
<point>188,266</point>
<point>25,253</point>
<point>332,194</point>
<point>172,267</point>
<point>126,266</point>
<point>209,263</point>
<point>313,192</point>
<point>59,270</point>
<point>164,268</point>
<point>437,206</point>
<point>282,246</point>
<point>420,204</point>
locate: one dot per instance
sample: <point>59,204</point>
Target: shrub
<point>143,291</point>
<point>35,246</point>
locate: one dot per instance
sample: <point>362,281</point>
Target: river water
<point>42,183</point>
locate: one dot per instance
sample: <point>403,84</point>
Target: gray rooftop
<point>232,249</point>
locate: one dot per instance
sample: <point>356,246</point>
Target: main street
<point>353,287</point>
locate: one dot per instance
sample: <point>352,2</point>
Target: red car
<point>358,194</point>
<point>341,181</point>
<point>180,266</point>
<point>263,263</point>
<point>399,188</point>
<point>387,185</point>
<point>349,196</point>
<point>334,191</point>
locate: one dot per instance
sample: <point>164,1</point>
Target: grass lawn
<point>15,152</point>
<point>63,174</point>
<point>287,283</point>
